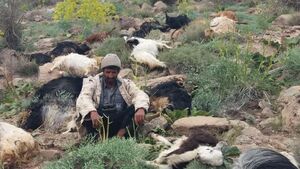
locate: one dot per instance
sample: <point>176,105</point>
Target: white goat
<point>76,65</point>
<point>145,51</point>
<point>16,145</point>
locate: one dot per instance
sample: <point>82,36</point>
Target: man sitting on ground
<point>107,100</point>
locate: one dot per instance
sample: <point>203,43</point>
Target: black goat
<point>175,95</point>
<point>262,158</point>
<point>177,22</point>
<point>66,47</point>
<point>40,58</point>
<point>53,103</point>
<point>146,28</point>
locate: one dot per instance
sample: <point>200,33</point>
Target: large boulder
<point>183,125</point>
<point>287,20</point>
<point>289,100</point>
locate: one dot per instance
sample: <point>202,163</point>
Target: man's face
<point>110,73</point>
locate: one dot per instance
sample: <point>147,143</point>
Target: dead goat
<point>53,104</point>
<point>146,28</point>
<point>40,58</point>
<point>145,51</point>
<point>76,65</point>
<point>99,37</point>
<point>170,95</point>
<point>177,22</point>
<point>263,158</point>
<point>66,47</point>
<point>200,144</point>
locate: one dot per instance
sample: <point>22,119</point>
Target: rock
<point>51,154</point>
<point>289,99</point>
<point>267,112</point>
<point>126,73</point>
<point>287,20</point>
<point>202,6</point>
<point>263,49</point>
<point>268,123</point>
<point>183,125</point>
<point>159,122</point>
<point>44,44</point>
<point>146,7</point>
<point>44,76</point>
<point>159,6</point>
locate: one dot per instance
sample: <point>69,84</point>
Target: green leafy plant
<point>113,153</point>
<point>16,99</point>
<point>91,10</point>
<point>117,46</point>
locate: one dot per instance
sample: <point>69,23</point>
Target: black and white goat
<point>262,158</point>
<point>145,51</point>
<point>170,95</point>
<point>177,22</point>
<point>200,144</point>
<point>66,47</point>
<point>53,105</point>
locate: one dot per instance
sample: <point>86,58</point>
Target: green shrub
<point>16,99</point>
<point>91,10</point>
<point>194,32</point>
<point>292,67</point>
<point>113,153</point>
<point>117,46</point>
<point>188,58</point>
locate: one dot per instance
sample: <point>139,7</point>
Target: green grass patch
<point>113,153</point>
<point>117,46</point>
<point>16,99</point>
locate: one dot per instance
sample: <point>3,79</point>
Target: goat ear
<point>125,38</point>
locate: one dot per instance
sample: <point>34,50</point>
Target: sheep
<point>146,28</point>
<point>220,25</point>
<point>170,95</point>
<point>177,22</point>
<point>53,105</point>
<point>98,37</point>
<point>16,145</point>
<point>145,51</point>
<point>262,158</point>
<point>185,149</point>
<point>76,65</point>
<point>66,47</point>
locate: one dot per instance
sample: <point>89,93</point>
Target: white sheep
<point>16,145</point>
<point>76,65</point>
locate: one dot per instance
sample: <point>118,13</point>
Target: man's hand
<point>96,119</point>
<point>139,116</point>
